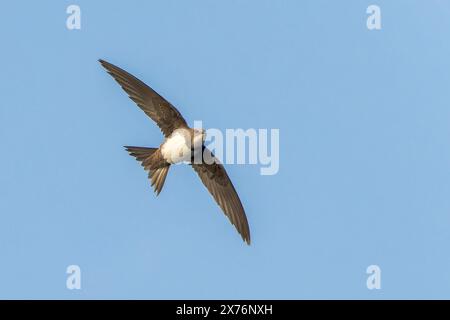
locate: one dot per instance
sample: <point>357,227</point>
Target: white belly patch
<point>176,149</point>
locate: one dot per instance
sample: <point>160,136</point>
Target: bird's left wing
<point>216,180</point>
<point>166,116</point>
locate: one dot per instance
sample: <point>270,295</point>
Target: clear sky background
<point>364,119</point>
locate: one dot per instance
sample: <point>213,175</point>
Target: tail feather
<point>140,153</point>
<point>158,177</point>
<point>157,170</point>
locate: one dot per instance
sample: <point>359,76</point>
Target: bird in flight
<point>181,144</point>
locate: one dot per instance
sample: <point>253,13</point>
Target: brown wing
<point>166,116</point>
<point>216,180</point>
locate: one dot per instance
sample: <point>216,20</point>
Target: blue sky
<point>364,121</point>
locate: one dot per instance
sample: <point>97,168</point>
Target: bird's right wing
<point>216,180</point>
<point>166,116</point>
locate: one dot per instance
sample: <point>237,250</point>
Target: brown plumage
<point>157,161</point>
<point>153,162</point>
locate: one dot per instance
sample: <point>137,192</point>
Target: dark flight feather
<point>166,116</point>
<point>219,185</point>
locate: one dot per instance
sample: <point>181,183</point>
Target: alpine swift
<point>181,143</point>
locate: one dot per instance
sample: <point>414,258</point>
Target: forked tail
<point>153,162</point>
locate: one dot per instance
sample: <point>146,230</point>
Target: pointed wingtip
<point>104,63</point>
<point>127,149</point>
